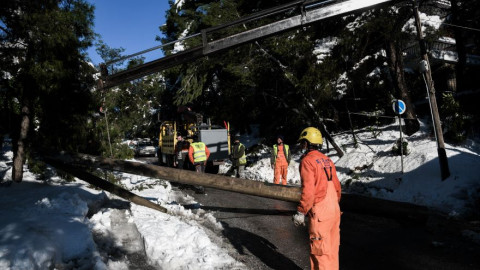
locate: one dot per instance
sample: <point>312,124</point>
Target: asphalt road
<point>264,237</point>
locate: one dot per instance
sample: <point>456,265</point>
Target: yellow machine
<point>216,138</point>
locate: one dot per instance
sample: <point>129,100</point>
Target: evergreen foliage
<point>283,81</point>
<point>44,68</point>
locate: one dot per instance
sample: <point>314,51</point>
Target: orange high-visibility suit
<point>321,191</point>
<point>281,158</point>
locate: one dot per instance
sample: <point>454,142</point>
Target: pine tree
<point>464,24</point>
<point>131,109</point>
<point>43,53</point>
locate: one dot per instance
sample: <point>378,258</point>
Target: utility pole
<point>100,86</point>
<point>427,75</point>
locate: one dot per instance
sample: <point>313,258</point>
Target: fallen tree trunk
<point>349,202</point>
<point>105,185</point>
<point>251,187</point>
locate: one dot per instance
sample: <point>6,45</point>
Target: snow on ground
<point>45,225</point>
<point>68,225</point>
<point>371,169</point>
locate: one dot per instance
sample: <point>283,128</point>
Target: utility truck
<point>190,124</point>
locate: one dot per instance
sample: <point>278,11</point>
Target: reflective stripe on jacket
<point>199,153</point>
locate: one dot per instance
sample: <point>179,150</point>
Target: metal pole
<point>353,130</point>
<point>108,132</point>
<point>442,154</point>
<point>401,139</point>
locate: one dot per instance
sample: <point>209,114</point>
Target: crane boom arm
<point>311,12</point>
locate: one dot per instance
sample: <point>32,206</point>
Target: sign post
<point>399,108</point>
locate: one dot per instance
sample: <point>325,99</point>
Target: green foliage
<point>47,67</point>
<point>38,168</point>
<point>396,150</point>
<point>284,73</point>
<point>279,73</point>
<point>108,176</point>
<point>122,151</point>
<point>130,112</point>
<point>65,176</point>
<point>453,119</point>
<point>108,54</point>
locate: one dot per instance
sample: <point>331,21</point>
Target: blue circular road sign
<point>399,106</point>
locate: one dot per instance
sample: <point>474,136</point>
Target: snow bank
<point>44,225</point>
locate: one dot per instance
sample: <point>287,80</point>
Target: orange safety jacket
<point>316,170</point>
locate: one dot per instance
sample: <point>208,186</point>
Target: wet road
<point>264,237</point>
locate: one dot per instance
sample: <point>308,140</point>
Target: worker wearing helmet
<point>280,160</point>
<point>320,199</point>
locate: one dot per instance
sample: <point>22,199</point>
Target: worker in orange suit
<point>321,191</point>
<point>280,160</point>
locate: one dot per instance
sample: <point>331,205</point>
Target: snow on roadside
<point>180,239</point>
<point>44,225</point>
<point>372,170</point>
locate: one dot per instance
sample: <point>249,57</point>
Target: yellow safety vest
<point>286,149</point>
<point>243,159</point>
<point>199,153</point>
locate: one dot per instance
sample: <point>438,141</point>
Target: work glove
<point>298,219</point>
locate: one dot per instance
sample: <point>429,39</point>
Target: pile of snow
<point>46,225</point>
<point>372,169</point>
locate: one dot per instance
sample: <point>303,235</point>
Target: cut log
<point>105,185</point>
<point>350,202</point>
<point>251,187</point>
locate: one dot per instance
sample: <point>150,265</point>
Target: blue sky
<point>132,25</point>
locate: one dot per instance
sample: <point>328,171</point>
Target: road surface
<point>264,237</point>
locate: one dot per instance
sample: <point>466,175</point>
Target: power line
<point>464,27</point>
<point>455,25</point>
<point>379,116</point>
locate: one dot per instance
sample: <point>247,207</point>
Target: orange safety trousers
<point>324,232</point>
<point>280,171</point>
